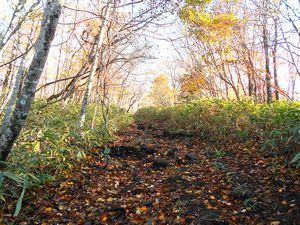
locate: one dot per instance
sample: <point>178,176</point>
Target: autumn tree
<point>236,46</point>
<point>161,93</point>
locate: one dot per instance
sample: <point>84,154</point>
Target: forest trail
<point>154,177</point>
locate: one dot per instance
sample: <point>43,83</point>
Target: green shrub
<point>276,124</point>
<point>50,143</point>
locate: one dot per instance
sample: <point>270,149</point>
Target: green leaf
<point>296,130</point>
<point>4,163</point>
<point>296,158</point>
<point>81,155</point>
<point>34,177</point>
<point>20,200</point>
<point>106,151</point>
<point>19,203</point>
<point>1,178</point>
<point>12,176</point>
<point>2,198</point>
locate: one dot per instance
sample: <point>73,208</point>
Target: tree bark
<point>99,41</point>
<point>267,63</point>
<point>9,132</point>
<point>12,96</point>
<point>274,55</point>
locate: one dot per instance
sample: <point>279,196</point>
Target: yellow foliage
<point>192,84</point>
<point>208,26</point>
<point>161,93</point>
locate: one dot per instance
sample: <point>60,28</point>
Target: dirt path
<point>158,178</point>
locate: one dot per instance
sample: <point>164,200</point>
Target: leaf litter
<point>155,178</point>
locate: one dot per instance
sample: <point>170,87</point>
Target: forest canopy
<point>133,100</point>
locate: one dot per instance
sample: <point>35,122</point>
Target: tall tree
<point>10,130</point>
<point>98,45</point>
<point>265,36</point>
<point>161,93</point>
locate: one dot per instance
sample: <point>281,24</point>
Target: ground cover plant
<point>149,112</point>
<point>50,144</point>
<point>276,126</point>
<point>149,176</point>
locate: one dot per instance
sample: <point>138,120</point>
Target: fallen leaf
<point>49,209</point>
<point>104,218</point>
<point>280,190</point>
<point>110,199</point>
<point>225,197</point>
<point>161,217</point>
<point>275,223</point>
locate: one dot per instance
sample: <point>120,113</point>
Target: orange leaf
<point>49,209</point>
<point>140,210</point>
<point>104,218</point>
<point>161,217</point>
<point>144,208</point>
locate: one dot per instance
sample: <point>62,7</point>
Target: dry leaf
<point>212,197</point>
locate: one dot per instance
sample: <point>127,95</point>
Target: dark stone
<point>141,126</point>
<point>191,156</point>
<point>148,150</point>
<point>209,153</point>
<point>118,209</point>
<point>209,214</point>
<point>187,197</point>
<point>147,203</point>
<point>189,145</point>
<point>137,191</point>
<point>136,178</point>
<point>198,183</point>
<point>172,152</point>
<point>183,169</point>
<point>160,163</point>
<point>179,160</point>
<point>88,223</point>
<point>219,165</point>
<point>124,152</point>
<point>177,179</point>
<point>119,213</point>
<point>241,192</point>
<point>229,154</point>
<point>202,215</point>
<point>126,166</point>
<point>292,197</point>
<point>173,134</point>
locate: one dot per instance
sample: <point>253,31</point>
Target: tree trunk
<point>267,64</point>
<point>12,96</point>
<point>265,9</point>
<point>8,74</point>
<point>99,41</point>
<point>9,132</point>
<point>250,85</point>
<point>274,55</point>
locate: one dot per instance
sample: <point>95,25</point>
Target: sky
<point>162,49</point>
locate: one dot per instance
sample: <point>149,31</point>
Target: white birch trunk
<point>10,133</point>
<point>99,42</point>
<point>12,96</point>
